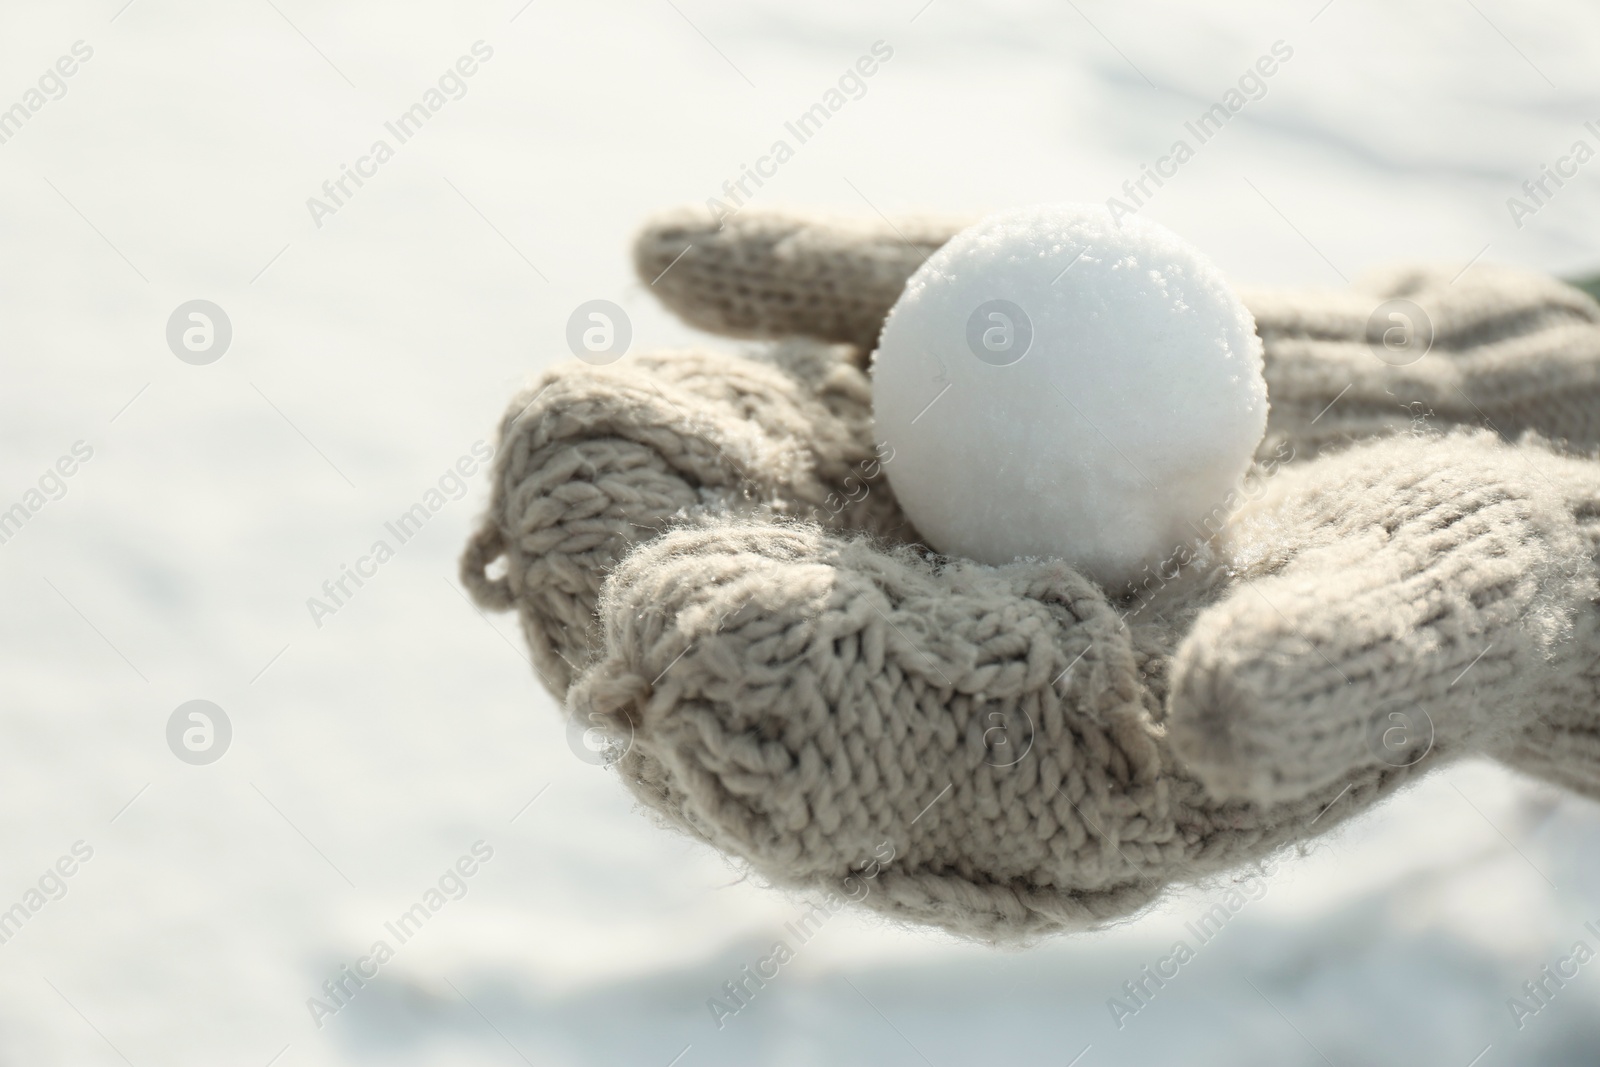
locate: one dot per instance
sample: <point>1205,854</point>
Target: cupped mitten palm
<point>709,566</point>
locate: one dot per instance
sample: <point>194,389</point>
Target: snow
<point>1058,381</point>
<point>370,354</point>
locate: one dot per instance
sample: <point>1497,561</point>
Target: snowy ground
<point>371,352</point>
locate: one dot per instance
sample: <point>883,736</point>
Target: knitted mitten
<point>709,565</point>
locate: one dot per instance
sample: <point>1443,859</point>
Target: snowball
<point>1055,384</point>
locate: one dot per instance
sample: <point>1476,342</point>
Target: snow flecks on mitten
<point>1443,577</point>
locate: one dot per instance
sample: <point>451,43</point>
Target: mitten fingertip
<point>1206,726</point>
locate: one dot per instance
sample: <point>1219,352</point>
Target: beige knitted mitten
<point>709,565</point>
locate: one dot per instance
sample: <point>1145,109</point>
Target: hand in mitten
<point>709,563</point>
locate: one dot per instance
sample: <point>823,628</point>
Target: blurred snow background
<point>370,353</point>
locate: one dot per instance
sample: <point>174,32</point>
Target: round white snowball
<point>1057,383</point>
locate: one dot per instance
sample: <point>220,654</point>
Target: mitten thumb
<point>1406,601</point>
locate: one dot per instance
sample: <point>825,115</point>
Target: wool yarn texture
<point>709,565</point>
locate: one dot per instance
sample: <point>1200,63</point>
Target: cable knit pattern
<point>709,564</point>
